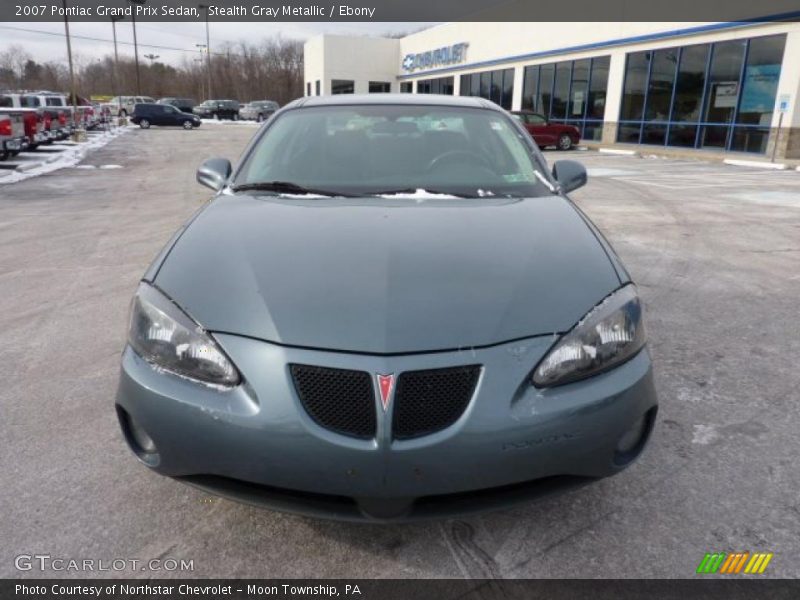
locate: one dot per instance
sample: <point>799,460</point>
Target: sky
<point>180,36</point>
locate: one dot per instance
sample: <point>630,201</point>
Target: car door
<point>170,115</point>
<point>158,114</point>
<point>542,133</point>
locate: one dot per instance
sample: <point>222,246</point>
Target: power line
<point>119,42</point>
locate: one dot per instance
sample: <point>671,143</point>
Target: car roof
<point>384,99</point>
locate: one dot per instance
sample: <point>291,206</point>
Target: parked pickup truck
<point>33,118</point>
<point>12,133</point>
<point>54,109</point>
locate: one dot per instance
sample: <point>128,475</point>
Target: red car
<point>563,137</point>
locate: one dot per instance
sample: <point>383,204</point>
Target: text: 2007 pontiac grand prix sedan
<point>390,310</point>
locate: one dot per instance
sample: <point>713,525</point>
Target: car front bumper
<point>255,443</point>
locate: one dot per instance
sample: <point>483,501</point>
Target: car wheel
<point>564,142</point>
<point>187,124</point>
<point>144,124</point>
<point>260,118</point>
<point>123,113</point>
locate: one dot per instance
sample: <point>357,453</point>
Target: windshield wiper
<point>414,190</point>
<point>284,187</point>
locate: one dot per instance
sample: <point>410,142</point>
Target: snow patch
<point>229,122</point>
<point>705,434</point>
<point>70,157</point>
<point>420,194</point>
<point>602,172</point>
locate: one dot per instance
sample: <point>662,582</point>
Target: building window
<point>379,87</point>
<point>718,96</point>
<point>317,87</point>
<point>308,88</point>
<point>342,86</point>
<point>406,87</point>
<point>442,85</point>
<point>570,91</point>
<point>497,86</point>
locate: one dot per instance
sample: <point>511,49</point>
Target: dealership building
<point>729,87</point>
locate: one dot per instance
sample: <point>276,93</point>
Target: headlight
<point>610,333</point>
<point>164,335</point>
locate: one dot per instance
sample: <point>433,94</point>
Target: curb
<point>755,164</point>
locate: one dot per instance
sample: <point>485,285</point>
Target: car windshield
<point>394,150</point>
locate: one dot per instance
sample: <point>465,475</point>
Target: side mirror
<point>214,172</point>
<point>570,174</point>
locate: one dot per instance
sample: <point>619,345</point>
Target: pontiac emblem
<point>385,385</point>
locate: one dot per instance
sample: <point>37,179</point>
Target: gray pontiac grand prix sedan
<point>390,310</point>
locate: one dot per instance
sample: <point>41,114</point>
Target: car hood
<point>387,275</point>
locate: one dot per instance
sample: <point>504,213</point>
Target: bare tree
<point>270,70</point>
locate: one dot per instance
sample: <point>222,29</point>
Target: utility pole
<point>72,92</point>
<point>202,85</point>
<point>208,47</point>
<point>201,49</point>
<point>136,46</point>
<point>114,75</point>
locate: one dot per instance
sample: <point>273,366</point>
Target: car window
<point>535,119</point>
<point>6,102</point>
<point>29,101</point>
<point>366,149</point>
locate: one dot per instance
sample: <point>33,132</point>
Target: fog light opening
<point>139,441</point>
<point>632,442</point>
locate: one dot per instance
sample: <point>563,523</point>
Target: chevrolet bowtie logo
<point>734,563</point>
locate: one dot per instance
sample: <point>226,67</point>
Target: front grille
<point>337,399</point>
<point>428,401</point>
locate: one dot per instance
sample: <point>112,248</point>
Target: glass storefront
<point>441,85</point>
<point>718,96</point>
<point>572,91</point>
<point>497,86</point>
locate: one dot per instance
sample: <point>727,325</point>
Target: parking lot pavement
<point>715,250</point>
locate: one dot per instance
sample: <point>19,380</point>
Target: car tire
<point>144,124</point>
<point>187,125</point>
<point>123,113</point>
<point>260,118</point>
<point>564,142</point>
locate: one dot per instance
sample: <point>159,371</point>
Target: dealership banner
<point>405,589</point>
<point>400,10</point>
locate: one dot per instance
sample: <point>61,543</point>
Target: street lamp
<point>208,46</point>
<point>136,46</point>
<point>151,57</point>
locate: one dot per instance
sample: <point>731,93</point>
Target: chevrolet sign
<point>447,55</point>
